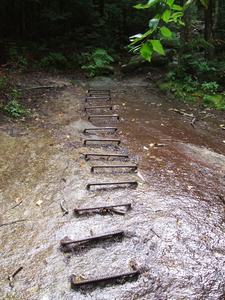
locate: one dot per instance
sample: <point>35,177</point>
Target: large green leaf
<point>157,46</point>
<point>146,51</point>
<point>150,3</point>
<point>153,23</point>
<point>166,32</point>
<point>166,15</point>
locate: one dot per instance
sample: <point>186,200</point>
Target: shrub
<point>14,109</point>
<point>18,57</point>
<point>54,60</point>
<point>211,87</point>
<point>93,62</point>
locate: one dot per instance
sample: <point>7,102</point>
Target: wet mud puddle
<point>130,174</point>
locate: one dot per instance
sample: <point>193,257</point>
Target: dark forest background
<point>65,35</point>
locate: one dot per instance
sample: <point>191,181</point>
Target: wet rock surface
<point>175,231</point>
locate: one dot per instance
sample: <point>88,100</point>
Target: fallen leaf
<point>134,119</point>
<point>178,169</point>
<point>170,171</point>
<point>152,144</point>
<point>39,202</point>
<point>190,187</point>
<point>29,99</point>
<point>145,148</point>
<point>80,278</point>
<point>160,165</point>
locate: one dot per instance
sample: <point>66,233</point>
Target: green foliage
<point>14,109</point>
<point>96,61</point>
<point>214,101</point>
<point>190,85</point>
<point>16,94</point>
<point>211,87</point>
<point>171,76</point>
<point>166,12</point>
<point>3,82</point>
<point>53,61</point>
<point>18,56</point>
<point>190,90</point>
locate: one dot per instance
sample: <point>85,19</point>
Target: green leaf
<point>174,17</point>
<point>166,15</point>
<point>157,46</point>
<point>166,32</point>
<point>153,23</point>
<point>142,37</point>
<point>205,2</point>
<point>150,3</point>
<point>136,36</point>
<point>188,3</point>
<point>169,2</point>
<point>176,7</point>
<point>181,22</point>
<point>146,51</point>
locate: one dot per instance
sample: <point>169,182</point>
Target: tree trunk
<point>209,31</point>
<point>185,31</point>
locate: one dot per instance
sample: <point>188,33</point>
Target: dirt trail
<point>175,231</point>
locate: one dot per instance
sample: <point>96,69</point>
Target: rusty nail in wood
<point>75,283</point>
<point>103,116</point>
<point>106,207</point>
<point>102,140</point>
<point>133,167</point>
<point>100,129</point>
<point>111,183</point>
<point>105,155</point>
<point>98,107</point>
<point>65,241</point>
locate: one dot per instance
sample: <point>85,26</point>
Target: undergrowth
<point>196,82</point>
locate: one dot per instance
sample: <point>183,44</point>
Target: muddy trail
<point>169,177</point>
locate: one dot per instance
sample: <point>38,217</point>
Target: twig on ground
<point>193,122</point>
<point>65,211</point>
<point>11,277</point>
<point>17,204</point>
<point>40,87</point>
<point>183,113</point>
<point>13,222</point>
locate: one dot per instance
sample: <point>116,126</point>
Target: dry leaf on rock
<point>39,202</point>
